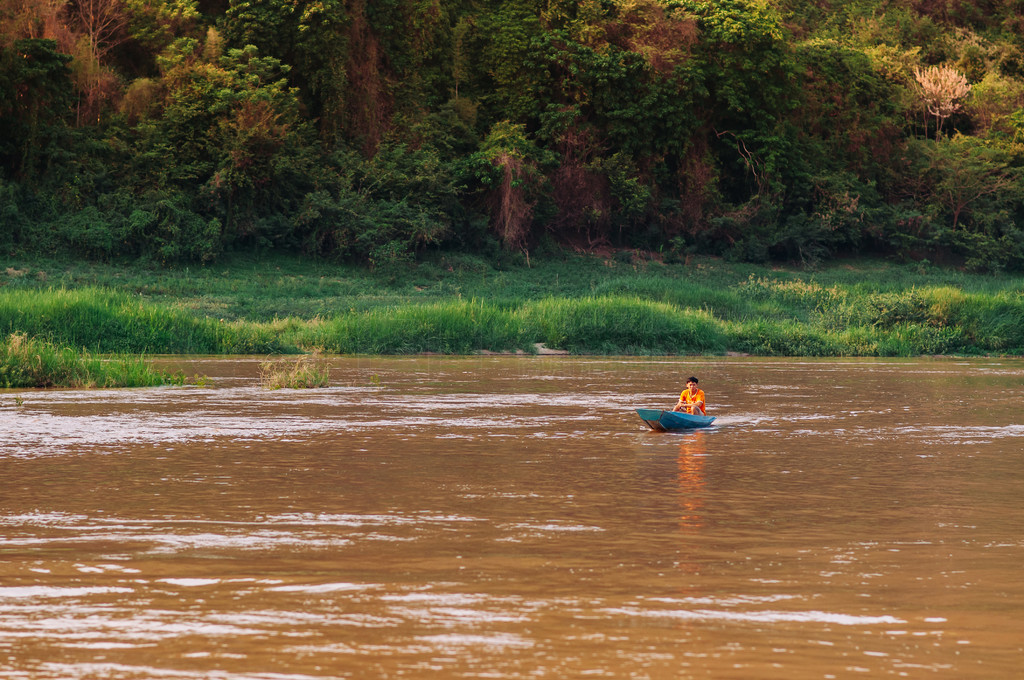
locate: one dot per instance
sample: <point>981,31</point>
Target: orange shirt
<point>688,398</point>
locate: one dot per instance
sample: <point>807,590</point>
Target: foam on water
<point>757,616</point>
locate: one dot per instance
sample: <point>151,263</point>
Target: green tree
<point>312,38</point>
<point>35,99</point>
<point>230,134</point>
<point>972,191</point>
<point>381,210</point>
<point>508,171</point>
<point>743,72</point>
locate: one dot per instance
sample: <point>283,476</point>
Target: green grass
<point>25,362</point>
<point>459,304</point>
<point>114,321</point>
<point>620,325</point>
<point>450,327</point>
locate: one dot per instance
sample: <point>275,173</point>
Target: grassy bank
<point>114,321</point>
<point>457,305</point>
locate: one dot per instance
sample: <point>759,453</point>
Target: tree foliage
<point>174,130</point>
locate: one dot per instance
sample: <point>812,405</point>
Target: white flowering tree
<point>942,89</point>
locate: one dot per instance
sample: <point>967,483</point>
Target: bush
<point>165,228</point>
<point>382,210</point>
<point>915,339</point>
<point>877,310</point>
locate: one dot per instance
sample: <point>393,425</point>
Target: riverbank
<point>617,305</point>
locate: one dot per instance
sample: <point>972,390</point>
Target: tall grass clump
<point>840,321</point>
<point>453,327</point>
<point>1003,322</point>
<point>246,337</point>
<point>114,322</point>
<point>802,301</point>
<point>797,293</point>
<point>305,372</point>
<point>988,322</point>
<point>619,325</point>
<point>26,362</point>
<point>908,340</point>
<point>767,337</point>
<point>875,310</point>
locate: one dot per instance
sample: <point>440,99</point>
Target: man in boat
<point>692,399</point>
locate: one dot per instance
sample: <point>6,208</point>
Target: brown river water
<point>512,517</point>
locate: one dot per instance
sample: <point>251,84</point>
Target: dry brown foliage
<point>369,103</point>
<point>86,29</point>
<point>105,22</point>
<point>259,132</point>
<point>511,210</point>
<point>696,178</point>
<point>36,19</point>
<point>661,36</point>
<point>582,196</point>
<point>96,83</point>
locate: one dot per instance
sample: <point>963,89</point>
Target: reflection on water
<point>692,452</point>
<point>514,518</point>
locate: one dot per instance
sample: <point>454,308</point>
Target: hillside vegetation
<point>386,131</point>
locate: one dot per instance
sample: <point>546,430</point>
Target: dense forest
<point>376,130</point>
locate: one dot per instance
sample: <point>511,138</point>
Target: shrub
<point>382,210</point>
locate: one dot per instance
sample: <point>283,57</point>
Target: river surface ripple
<point>512,517</point>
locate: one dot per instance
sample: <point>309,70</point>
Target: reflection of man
<point>692,399</point>
<point>691,481</point>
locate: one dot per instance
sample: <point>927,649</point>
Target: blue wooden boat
<point>664,421</point>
